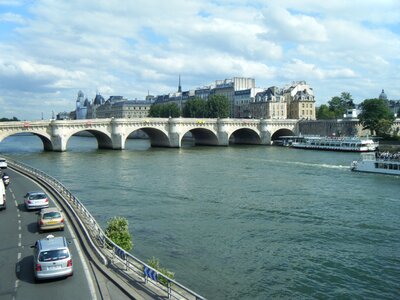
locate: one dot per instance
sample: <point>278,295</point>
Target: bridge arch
<point>202,136</point>
<point>246,136</point>
<point>46,141</point>
<point>157,137</point>
<point>281,132</point>
<point>104,140</point>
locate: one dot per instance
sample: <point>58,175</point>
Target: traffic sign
<point>150,273</point>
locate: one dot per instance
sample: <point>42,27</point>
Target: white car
<point>52,258</point>
<point>3,163</point>
<point>36,200</point>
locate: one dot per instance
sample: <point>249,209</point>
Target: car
<point>2,196</point>
<point>50,218</point>
<point>52,258</point>
<point>3,163</point>
<point>36,200</point>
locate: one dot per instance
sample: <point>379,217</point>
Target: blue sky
<point>51,49</point>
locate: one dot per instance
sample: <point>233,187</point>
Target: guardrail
<point>106,249</point>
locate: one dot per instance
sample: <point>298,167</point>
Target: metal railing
<point>105,248</point>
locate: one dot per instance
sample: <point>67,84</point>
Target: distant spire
<point>179,87</point>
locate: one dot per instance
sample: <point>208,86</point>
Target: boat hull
<point>376,166</point>
<point>344,144</point>
<point>332,148</point>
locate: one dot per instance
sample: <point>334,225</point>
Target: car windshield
<point>53,255</point>
<point>36,196</point>
<point>51,215</point>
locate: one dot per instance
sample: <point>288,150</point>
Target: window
<point>53,255</point>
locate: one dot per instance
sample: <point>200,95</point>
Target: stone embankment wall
<point>340,127</point>
<point>351,127</point>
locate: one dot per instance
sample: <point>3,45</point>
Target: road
<point>18,232</point>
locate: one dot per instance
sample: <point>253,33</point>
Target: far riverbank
<point>391,146</point>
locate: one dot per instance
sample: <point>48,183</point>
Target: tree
<point>339,104</point>
<point>118,231</point>
<point>8,120</point>
<point>155,264</point>
<point>348,99</point>
<point>218,106</point>
<point>166,110</point>
<point>376,116</point>
<point>195,108</point>
<point>324,113</point>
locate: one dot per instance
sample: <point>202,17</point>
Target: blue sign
<point>150,273</point>
<point>119,252</point>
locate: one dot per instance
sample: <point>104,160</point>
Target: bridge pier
<point>223,136</point>
<point>59,143</point>
<point>173,132</point>
<point>265,133</point>
<point>118,141</point>
<point>118,136</point>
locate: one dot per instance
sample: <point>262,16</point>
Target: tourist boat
<point>349,144</point>
<point>384,163</point>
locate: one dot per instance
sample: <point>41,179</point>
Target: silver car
<point>36,200</point>
<point>52,258</point>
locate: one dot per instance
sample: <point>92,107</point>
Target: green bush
<point>118,231</point>
<point>155,264</point>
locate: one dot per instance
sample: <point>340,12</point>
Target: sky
<point>51,49</point>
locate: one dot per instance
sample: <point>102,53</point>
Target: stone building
<point>81,106</point>
<point>92,107</point>
<point>300,100</point>
<point>117,107</point>
<point>243,99</point>
<point>228,87</point>
<point>269,104</point>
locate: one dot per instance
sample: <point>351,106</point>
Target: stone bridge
<point>162,132</point>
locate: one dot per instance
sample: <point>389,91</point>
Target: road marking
<point>16,203</point>
<point>19,228</point>
<point>19,256</point>
<point>16,283</point>
<point>84,265</point>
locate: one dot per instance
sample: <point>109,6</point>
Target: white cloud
<point>283,25</point>
<point>300,69</point>
<point>12,18</point>
<point>51,49</point>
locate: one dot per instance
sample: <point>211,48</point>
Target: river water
<point>241,222</point>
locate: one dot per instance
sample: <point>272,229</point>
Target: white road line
<point>19,255</point>
<point>16,203</point>
<point>19,236</point>
<point>19,228</point>
<point>84,265</point>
